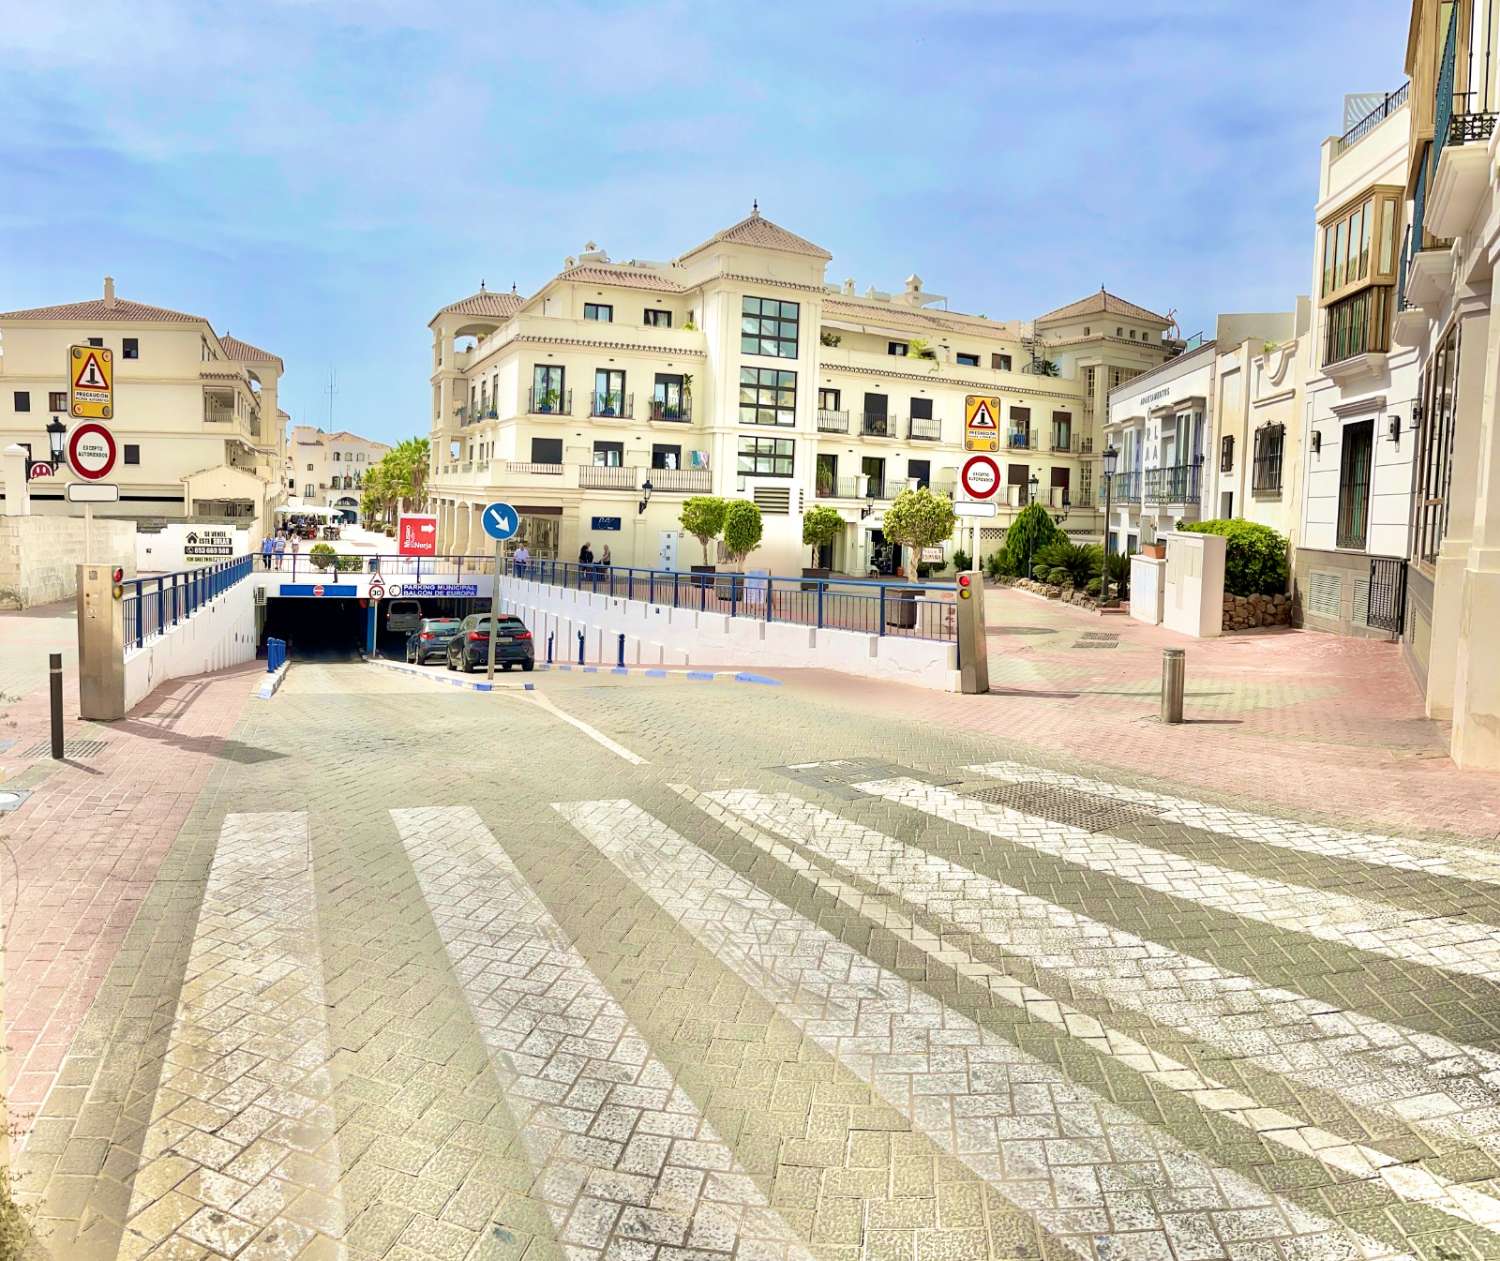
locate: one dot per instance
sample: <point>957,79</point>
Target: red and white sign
<point>980,477</point>
<point>377,589</point>
<point>318,590</point>
<point>416,536</point>
<point>39,468</point>
<point>91,451</point>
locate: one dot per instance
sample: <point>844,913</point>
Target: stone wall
<point>1244,612</point>
<point>39,556</point>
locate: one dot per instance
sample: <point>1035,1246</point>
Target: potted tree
<point>550,400</point>
<point>820,527</point>
<point>742,534</point>
<point>917,518</point>
<point>702,516</point>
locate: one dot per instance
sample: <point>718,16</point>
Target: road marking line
<point>593,733</point>
<point>1407,854</point>
<point>242,1143</point>
<point>619,1148</point>
<point>1133,972</point>
<point>1056,1150</point>
<point>1448,943</point>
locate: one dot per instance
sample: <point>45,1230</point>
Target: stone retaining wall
<point>1245,612</point>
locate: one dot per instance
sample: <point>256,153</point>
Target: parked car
<point>469,649</point>
<point>430,639</point>
<point>403,615</point>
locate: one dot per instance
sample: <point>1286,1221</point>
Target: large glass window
<point>658,318</point>
<point>1266,474</point>
<point>600,311</point>
<point>547,393</point>
<point>768,327</point>
<point>766,457</point>
<point>609,454</point>
<point>768,396</point>
<point>667,401</point>
<point>609,392</point>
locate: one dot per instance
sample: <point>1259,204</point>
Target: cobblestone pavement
<point>657,968</point>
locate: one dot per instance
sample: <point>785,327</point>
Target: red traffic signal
<point>117,575</point>
<point>964,580</point>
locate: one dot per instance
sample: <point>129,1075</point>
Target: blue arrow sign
<point>501,521</point>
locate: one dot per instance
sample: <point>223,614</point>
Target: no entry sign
<point>980,477</point>
<point>91,451</point>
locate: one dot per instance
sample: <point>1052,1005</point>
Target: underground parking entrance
<point>342,627</point>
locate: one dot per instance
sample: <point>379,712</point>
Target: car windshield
<point>441,624</point>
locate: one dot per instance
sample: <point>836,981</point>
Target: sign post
<point>981,422</point>
<point>91,453</point>
<point>980,479</point>
<point>501,522</point>
<point>91,383</point>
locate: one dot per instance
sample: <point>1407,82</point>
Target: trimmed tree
<point>742,529</point>
<point>703,517</point>
<point>1031,531</point>
<point>820,527</point>
<point>919,518</point>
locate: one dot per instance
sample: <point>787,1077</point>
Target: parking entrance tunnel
<point>317,629</point>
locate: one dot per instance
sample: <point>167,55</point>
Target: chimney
<point>109,292</point>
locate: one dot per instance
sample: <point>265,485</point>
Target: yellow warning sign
<point>91,382</point>
<point>981,422</point>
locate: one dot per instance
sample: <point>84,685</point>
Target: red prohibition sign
<point>981,476</point>
<point>91,451</point>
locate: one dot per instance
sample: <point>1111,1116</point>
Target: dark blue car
<point>469,649</point>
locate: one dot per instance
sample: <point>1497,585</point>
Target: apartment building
<point>1164,423</point>
<point>328,469</point>
<point>617,389</point>
<point>199,433</point>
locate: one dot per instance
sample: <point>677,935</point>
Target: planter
<point>813,572</point>
<point>729,585</point>
<point>901,608</point>
<point>1156,551</point>
<point>702,569</point>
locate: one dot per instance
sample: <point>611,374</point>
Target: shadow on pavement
<point>226,750</point>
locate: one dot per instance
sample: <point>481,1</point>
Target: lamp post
<point>646,489</point>
<point>1111,458</point>
<point>56,432</point>
<point>1035,483</point>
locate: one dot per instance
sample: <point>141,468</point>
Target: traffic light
<point>117,577</point>
<point>964,593</point>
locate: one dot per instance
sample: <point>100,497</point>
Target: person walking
<point>604,556</point>
<point>280,548</point>
<point>296,548</point>
<point>520,559</point>
<point>267,547</point>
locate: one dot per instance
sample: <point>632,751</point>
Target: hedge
<point>1254,556</point>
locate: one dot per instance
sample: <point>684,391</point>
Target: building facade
<point>598,404</point>
<point>198,431</point>
<point>328,469</point>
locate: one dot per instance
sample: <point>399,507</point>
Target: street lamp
<point>56,432</point>
<point>646,489</point>
<point>1035,482</point>
<point>1111,458</point>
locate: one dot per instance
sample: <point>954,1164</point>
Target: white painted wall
<point>659,635</point>
<point>166,551</point>
<point>217,636</point>
<point>39,556</point>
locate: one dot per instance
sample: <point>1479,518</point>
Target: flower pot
<point>1156,551</point>
<point>810,571</point>
<point>702,569</point>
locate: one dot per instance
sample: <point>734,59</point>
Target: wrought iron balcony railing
<point>1174,484</point>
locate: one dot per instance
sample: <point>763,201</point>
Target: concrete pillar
<point>17,497</point>
<point>480,543</point>
<point>461,519</point>
<point>1476,690</point>
<point>444,511</point>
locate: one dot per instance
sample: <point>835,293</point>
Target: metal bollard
<point>54,662</point>
<point>1173,680</point>
<point>580,647</point>
<point>549,648</point>
<point>621,652</point>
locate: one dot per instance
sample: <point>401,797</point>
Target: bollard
<point>54,662</point>
<point>580,647</point>
<point>549,648</point>
<point>621,651</point>
<point>1173,679</point>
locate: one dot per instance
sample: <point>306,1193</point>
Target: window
<point>1226,453</point>
<point>96,341</point>
<point>1354,484</point>
<point>658,318</point>
<point>609,454</point>
<point>873,467</point>
<point>1266,479</point>
<point>546,450</point>
<point>920,471</point>
<point>665,456</point>
<point>131,348</point>
<point>1226,505</point>
<point>600,311</point>
<point>1062,495</point>
<point>1118,333</point>
<point>1088,382</point>
<point>1435,455</point>
<point>1086,330</point>
<point>23,400</point>
<point>966,361</point>
<point>307,491</point>
<point>309,468</point>
<point>768,327</point>
<point>766,457</point>
<point>1020,427</point>
<point>547,393</point>
<point>896,348</point>
<point>132,452</point>
<point>828,401</point>
<point>1000,363</point>
<point>1357,284</point>
<point>609,393</point>
<point>667,402</point>
<point>1358,325</point>
<point>336,457</point>
<point>921,409</point>
<point>768,396</point>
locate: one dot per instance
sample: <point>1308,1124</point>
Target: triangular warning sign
<point>981,419</point>
<point>90,375</point>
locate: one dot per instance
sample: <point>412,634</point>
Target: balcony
<point>608,477</point>
<point>549,402</point>
<point>1019,441</point>
<point>1174,484</point>
<point>848,488</point>
<point>1356,333</point>
<point>218,410</point>
<point>679,413</point>
<point>924,429</point>
<point>1460,135</point>
<point>531,467</point>
<point>878,425</point>
<point>1071,444</point>
<point>680,481</point>
<point>832,422</point>
<point>612,406</point>
<point>1123,488</point>
<point>1388,105</point>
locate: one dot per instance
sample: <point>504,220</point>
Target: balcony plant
<point>825,481</point>
<point>610,403</point>
<point>702,516</point>
<point>549,401</point>
<point>920,348</point>
<point>820,527</point>
<point>916,518</point>
<point>830,339</point>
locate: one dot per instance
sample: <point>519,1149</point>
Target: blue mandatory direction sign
<point>501,521</point>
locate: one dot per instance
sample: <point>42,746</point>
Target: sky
<point>318,178</point>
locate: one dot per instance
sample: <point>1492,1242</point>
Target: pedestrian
<point>296,547</point>
<point>280,548</point>
<point>521,559</point>
<point>267,547</point>
<point>604,556</point>
<point>585,554</point>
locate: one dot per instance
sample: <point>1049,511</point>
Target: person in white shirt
<point>520,558</point>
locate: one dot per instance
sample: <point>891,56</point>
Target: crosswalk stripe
<point>242,1142</point>
<point>625,1162</point>
<point>1406,854</point>
<point>1055,1149</point>
<point>1449,943</point>
<point>1364,1062</point>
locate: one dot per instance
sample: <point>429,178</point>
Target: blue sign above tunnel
<point>318,589</point>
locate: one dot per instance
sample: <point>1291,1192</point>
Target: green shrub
<point>1065,564</point>
<point>1254,556</point>
<point>1031,531</point>
<point>1119,571</point>
<point>742,529</point>
<point>820,527</point>
<point>960,560</point>
<point>323,555</point>
<point>702,516</point>
<point>993,565</point>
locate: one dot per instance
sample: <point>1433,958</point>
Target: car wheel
<point>528,666</point>
<point>468,665</point>
<point>505,665</point>
<point>450,661</point>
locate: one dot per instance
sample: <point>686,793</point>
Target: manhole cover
<point>71,748</point>
<point>1021,630</point>
<point>1069,806</point>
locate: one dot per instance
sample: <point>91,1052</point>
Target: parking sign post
<point>501,522</point>
<point>494,611</point>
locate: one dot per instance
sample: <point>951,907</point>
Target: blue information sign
<point>606,523</point>
<point>433,589</point>
<point>501,521</point>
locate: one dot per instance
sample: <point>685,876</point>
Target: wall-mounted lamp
<point>1317,441</point>
<point>1395,430</point>
<point>646,489</point>
<point>868,508</point>
<point>56,432</point>
<point>1035,483</point>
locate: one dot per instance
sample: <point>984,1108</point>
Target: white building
<point>328,469</point>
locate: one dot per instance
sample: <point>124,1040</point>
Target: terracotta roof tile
<point>244,352</point>
<point>627,277</point>
<point>485,302</point>
<point>847,307</point>
<point>94,311</point>
<point>1103,303</point>
<point>754,230</point>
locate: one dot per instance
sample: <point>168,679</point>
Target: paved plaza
<point>672,968</point>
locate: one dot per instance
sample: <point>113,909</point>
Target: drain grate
<point>1070,806</point>
<point>1097,643</point>
<point>1110,635</point>
<point>71,748</point>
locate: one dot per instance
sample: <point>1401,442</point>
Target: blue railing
<point>1443,106</point>
<point>152,606</point>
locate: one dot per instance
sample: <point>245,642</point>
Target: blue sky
<point>318,178</point>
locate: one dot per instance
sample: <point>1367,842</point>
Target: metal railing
<point>1390,103</point>
<point>924,429</point>
<point>912,610</point>
<point>549,402</point>
<point>879,425</point>
<point>677,413</point>
<point>152,606</point>
<point>612,405</point>
<point>832,421</point>
<point>1174,484</point>
<point>608,477</point>
<point>1020,440</point>
<point>678,480</point>
<point>1124,488</point>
